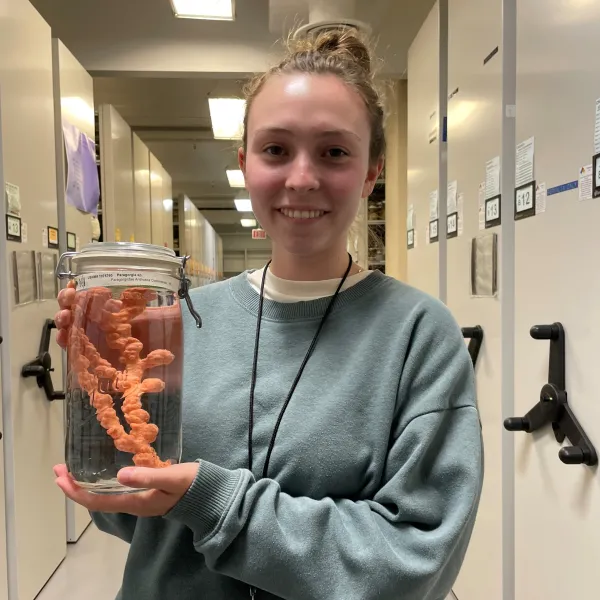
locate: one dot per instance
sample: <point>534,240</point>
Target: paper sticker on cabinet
<point>460,209</point>
<point>45,237</point>
<point>492,178</point>
<point>13,199</point>
<point>482,206</point>
<point>525,158</point>
<point>586,182</point>
<point>117,235</point>
<point>24,233</point>
<point>410,217</point>
<point>433,205</point>
<point>451,199</point>
<point>540,198</point>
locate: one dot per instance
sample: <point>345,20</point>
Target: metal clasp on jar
<point>63,258</point>
<point>183,292</point>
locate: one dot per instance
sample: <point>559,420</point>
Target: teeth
<point>302,214</point>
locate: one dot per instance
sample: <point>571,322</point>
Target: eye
<point>274,150</point>
<point>336,153</point>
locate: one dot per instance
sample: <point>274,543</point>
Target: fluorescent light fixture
<point>248,222</point>
<point>77,107</point>
<point>243,204</point>
<point>235,178</point>
<point>217,10</point>
<point>227,117</point>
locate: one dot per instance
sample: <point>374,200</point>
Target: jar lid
<point>119,255</point>
<point>100,250</point>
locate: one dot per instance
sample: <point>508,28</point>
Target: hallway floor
<point>93,569</point>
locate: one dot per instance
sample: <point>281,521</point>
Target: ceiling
<point>158,72</point>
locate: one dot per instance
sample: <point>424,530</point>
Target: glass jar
<point>124,361</point>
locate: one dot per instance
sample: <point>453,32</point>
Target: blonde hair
<point>343,53</point>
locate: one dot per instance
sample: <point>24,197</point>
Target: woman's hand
<point>63,318</point>
<point>163,490</point>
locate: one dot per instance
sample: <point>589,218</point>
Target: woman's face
<point>307,165</point>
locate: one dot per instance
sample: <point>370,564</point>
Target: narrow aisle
<point>92,570</point>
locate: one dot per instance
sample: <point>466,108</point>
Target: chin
<point>307,247</point>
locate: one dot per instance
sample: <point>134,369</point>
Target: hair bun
<point>346,43</point>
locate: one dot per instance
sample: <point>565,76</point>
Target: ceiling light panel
<point>243,205</point>
<point>248,222</point>
<point>235,178</point>
<point>227,117</point>
<point>215,10</point>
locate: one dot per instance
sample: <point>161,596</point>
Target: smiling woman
<point>331,439</point>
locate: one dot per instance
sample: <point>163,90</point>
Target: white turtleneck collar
<point>284,290</point>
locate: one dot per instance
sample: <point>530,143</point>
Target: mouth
<point>302,215</point>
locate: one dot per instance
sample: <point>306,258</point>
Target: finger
<point>175,479</point>
<point>66,297</point>
<point>63,319</point>
<point>61,470</point>
<point>62,338</point>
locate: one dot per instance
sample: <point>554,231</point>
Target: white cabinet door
<point>557,506</point>
<point>74,106</point>
<point>474,137</point>
<point>423,153</point>
<point>33,425</point>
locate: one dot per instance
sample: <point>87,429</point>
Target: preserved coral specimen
<point>99,378</point>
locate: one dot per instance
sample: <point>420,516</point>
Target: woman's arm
<point>408,542</point>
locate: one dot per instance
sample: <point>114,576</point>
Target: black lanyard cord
<point>296,380</point>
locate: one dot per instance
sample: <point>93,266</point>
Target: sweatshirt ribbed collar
<point>245,295</point>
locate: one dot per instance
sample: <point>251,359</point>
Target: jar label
<point>110,279</point>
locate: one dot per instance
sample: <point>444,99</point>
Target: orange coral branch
<point>129,382</point>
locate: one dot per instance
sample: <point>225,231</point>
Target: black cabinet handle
<point>475,335</point>
<point>553,406</point>
<point>41,366</point>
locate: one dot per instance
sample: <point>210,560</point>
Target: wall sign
<point>71,242</point>
<point>493,214</point>
<point>433,231</point>
<point>52,237</point>
<point>525,201</point>
<point>596,174</point>
<point>13,228</point>
<point>452,225</point>
<point>410,239</point>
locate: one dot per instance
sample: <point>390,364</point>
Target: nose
<point>303,175</point>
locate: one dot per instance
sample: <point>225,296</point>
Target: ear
<point>242,160</point>
<point>372,176</point>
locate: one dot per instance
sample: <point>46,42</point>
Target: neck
<point>331,265</point>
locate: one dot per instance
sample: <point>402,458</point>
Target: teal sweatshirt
<point>376,474</point>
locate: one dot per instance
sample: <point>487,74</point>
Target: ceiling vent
<point>316,28</point>
<point>325,15</point>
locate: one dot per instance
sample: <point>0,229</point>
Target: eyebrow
<point>325,133</point>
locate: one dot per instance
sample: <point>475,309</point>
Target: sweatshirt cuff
<point>209,497</point>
